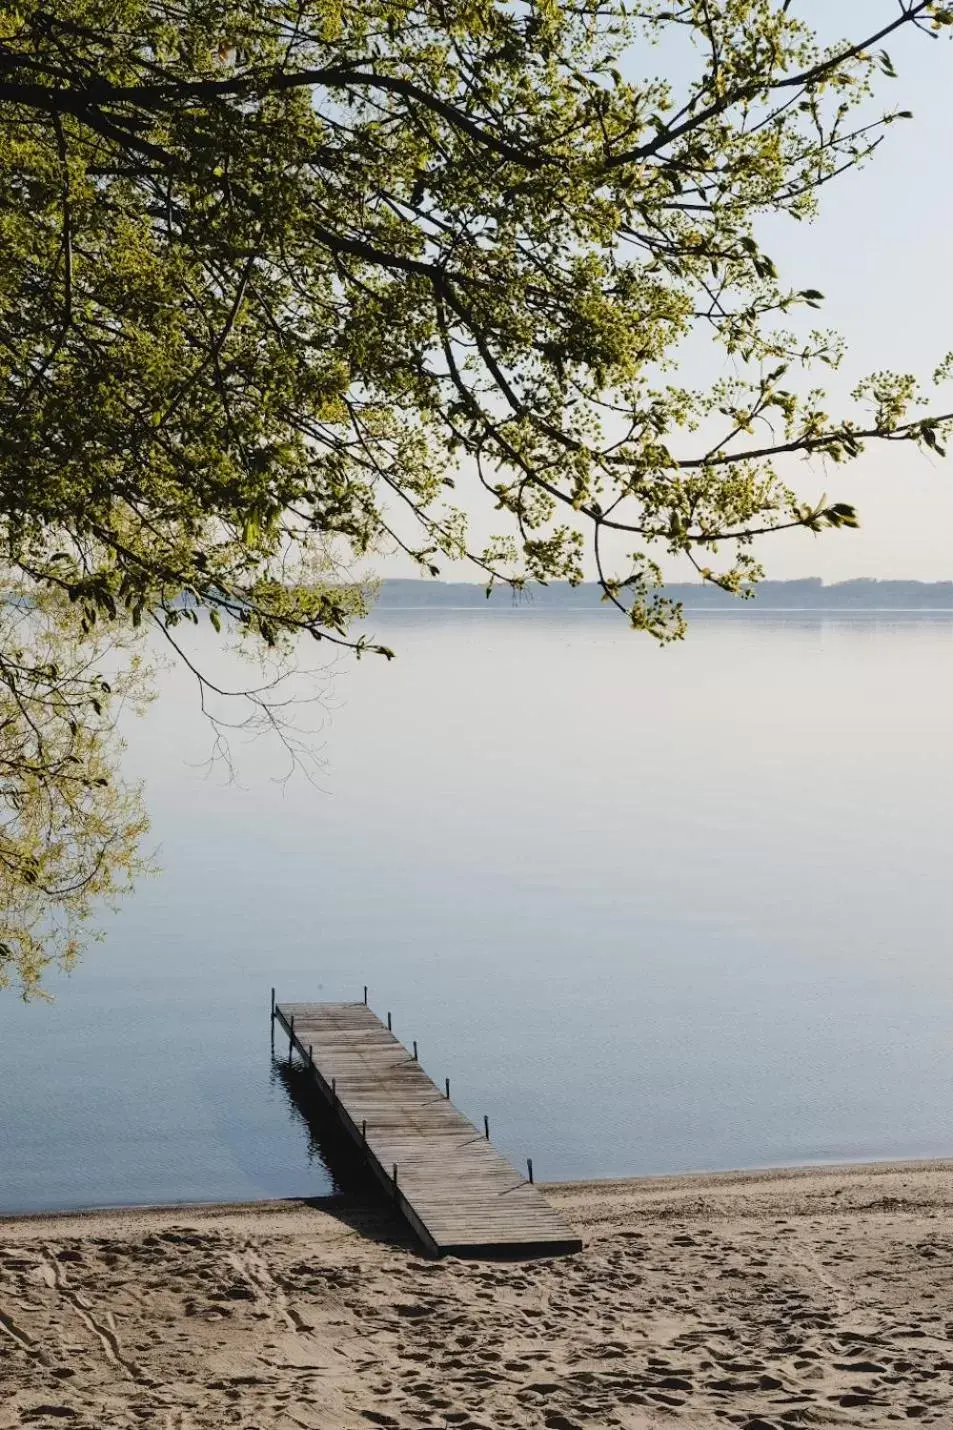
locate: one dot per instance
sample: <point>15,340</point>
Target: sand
<point>779,1299</point>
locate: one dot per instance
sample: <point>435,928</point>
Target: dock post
<point>486,1126</point>
<point>447,1085</point>
<point>416,1059</point>
<point>364,1130</point>
<point>395,1179</point>
<point>291,1036</point>
<point>388,1023</point>
<point>310,1055</point>
<point>365,995</point>
<point>529,1167</point>
<point>334,1089</point>
<point>272,1002</point>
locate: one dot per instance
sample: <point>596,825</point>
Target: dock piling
<point>388,1023</point>
<point>529,1167</point>
<point>416,1059</point>
<point>486,1127</point>
<point>365,995</point>
<point>447,1085</point>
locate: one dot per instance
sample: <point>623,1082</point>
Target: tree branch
<point>749,91</point>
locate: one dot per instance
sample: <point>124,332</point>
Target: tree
<point>70,832</point>
<point>279,274</point>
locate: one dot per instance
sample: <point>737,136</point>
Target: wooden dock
<point>461,1197</point>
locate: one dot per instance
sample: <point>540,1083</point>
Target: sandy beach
<point>770,1301</point>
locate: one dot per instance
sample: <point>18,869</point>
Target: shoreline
<point>586,1186</point>
<point>804,1298</point>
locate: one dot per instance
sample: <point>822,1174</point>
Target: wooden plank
<point>454,1188</point>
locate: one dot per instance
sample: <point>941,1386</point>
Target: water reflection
<point>326,1142</point>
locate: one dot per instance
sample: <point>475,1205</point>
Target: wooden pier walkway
<point>459,1194</point>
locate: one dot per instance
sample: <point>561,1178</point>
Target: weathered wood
<point>457,1192</point>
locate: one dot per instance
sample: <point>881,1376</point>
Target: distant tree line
<point>808,593</point>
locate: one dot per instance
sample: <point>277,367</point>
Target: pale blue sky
<point>881,253</point>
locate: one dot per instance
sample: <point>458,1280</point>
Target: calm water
<point>651,910</point>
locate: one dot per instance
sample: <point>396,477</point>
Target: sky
<point>880,251</point>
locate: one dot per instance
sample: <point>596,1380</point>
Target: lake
<point>651,910</point>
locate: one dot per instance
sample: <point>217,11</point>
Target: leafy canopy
<point>278,275</point>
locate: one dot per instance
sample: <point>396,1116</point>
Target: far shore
<point>771,1300</point>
